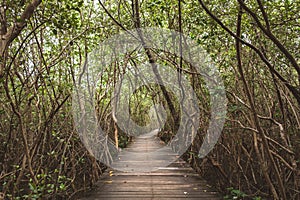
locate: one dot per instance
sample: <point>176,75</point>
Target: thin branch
<point>261,7</point>
<point>115,21</point>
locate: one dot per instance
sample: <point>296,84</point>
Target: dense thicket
<point>254,43</point>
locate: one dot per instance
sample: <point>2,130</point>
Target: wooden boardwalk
<point>136,180</point>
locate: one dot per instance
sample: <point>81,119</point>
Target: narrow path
<point>136,179</point>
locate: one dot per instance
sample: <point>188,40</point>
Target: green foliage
<point>47,184</point>
<point>257,198</point>
<point>234,194</point>
<point>237,194</point>
<point>123,141</point>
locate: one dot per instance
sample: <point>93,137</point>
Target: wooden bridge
<point>136,180</point>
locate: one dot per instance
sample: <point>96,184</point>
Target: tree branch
<point>14,31</point>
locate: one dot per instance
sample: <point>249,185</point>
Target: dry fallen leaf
<point>108,182</point>
<point>111,173</point>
